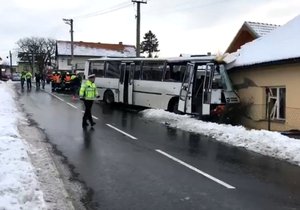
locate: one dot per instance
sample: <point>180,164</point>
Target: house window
<point>276,102</point>
<point>69,61</point>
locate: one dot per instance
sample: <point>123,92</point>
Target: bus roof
<point>172,59</point>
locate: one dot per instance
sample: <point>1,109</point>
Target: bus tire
<point>173,105</point>
<point>108,97</point>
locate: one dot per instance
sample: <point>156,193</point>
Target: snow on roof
<point>280,44</point>
<point>95,49</point>
<point>261,29</point>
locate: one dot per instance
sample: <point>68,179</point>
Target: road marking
<point>94,117</point>
<point>72,105</point>
<point>57,97</point>
<point>130,136</point>
<point>196,170</point>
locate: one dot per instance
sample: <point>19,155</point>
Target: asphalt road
<point>132,163</point>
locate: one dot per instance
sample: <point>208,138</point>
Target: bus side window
<point>153,71</point>
<point>97,68</point>
<point>137,71</point>
<point>175,72</point>
<point>112,69</point>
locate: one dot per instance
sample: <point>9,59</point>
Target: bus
<point>190,85</point>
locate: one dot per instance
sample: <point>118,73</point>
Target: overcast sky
<point>181,26</point>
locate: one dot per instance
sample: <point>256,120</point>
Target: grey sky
<point>181,26</point>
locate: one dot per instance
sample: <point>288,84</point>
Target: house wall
<point>62,62</point>
<point>251,84</point>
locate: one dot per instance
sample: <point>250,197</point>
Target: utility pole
<point>138,25</point>
<point>10,62</point>
<point>70,22</point>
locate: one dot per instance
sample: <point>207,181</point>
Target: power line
<point>107,10</point>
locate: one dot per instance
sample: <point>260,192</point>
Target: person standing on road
<point>23,78</point>
<point>28,80</point>
<point>88,93</point>
<point>38,80</point>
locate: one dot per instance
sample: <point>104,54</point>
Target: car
<point>16,77</point>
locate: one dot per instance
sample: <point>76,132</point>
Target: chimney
<point>120,43</point>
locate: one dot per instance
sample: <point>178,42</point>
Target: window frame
<point>274,94</point>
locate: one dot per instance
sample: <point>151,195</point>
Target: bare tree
<point>36,50</point>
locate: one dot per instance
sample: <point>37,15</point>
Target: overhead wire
<point>106,11</point>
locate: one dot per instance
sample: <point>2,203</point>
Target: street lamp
<point>70,22</point>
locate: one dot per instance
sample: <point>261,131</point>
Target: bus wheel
<point>173,106</point>
<point>108,97</point>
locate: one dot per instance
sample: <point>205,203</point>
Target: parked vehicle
<point>16,77</point>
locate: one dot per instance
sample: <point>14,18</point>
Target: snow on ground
<point>261,141</point>
<point>19,188</point>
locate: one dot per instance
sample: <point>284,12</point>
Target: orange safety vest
<point>54,78</point>
<point>58,79</point>
<point>68,78</point>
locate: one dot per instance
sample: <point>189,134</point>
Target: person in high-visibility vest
<point>88,93</point>
<point>28,80</point>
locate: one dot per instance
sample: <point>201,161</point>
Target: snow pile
<point>280,44</point>
<point>19,188</point>
<point>261,141</point>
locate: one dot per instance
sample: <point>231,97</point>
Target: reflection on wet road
<point>127,162</point>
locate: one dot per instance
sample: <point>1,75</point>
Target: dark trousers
<point>22,82</point>
<point>88,111</point>
<point>28,83</point>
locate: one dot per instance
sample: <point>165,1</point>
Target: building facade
<point>266,74</point>
<point>86,50</point>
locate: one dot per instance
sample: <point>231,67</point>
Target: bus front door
<point>207,88</point>
<point>185,96</point>
<point>131,69</point>
<point>126,83</point>
<point>121,82</point>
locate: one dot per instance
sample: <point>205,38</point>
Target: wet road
<point>151,166</point>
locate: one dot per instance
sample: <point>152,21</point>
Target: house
<point>249,32</point>
<point>85,50</point>
<point>266,73</point>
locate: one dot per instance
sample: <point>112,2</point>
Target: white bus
<point>193,85</point>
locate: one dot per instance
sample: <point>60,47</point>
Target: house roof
<point>261,29</point>
<point>283,43</point>
<point>92,49</point>
<point>249,32</point>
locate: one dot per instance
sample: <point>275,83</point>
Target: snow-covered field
<point>261,141</point>
<point>19,188</point>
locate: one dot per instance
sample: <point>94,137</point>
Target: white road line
<point>72,105</point>
<point>57,97</point>
<point>96,118</point>
<point>196,170</point>
<point>130,136</point>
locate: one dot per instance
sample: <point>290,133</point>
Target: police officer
<point>88,93</point>
<point>28,80</point>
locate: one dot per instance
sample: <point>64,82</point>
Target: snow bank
<point>261,141</point>
<point>19,188</point>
